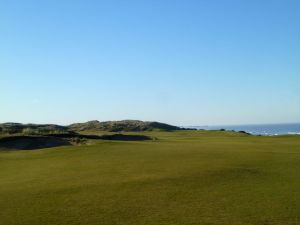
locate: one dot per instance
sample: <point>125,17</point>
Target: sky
<point>184,62</point>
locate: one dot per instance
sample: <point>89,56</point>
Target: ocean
<point>260,129</point>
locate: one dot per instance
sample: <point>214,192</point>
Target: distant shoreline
<point>258,129</point>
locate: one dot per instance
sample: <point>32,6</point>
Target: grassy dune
<point>183,178</point>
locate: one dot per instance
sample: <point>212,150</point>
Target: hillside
<point>123,125</point>
<point>109,126</point>
<point>13,128</point>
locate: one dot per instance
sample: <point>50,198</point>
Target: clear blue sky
<point>183,62</point>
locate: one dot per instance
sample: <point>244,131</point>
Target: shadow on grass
<point>22,142</point>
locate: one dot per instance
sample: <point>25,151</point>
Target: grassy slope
<point>185,178</point>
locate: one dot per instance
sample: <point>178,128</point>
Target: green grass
<point>184,178</point>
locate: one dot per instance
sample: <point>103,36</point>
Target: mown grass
<point>183,178</point>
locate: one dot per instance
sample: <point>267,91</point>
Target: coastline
<point>258,129</point>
